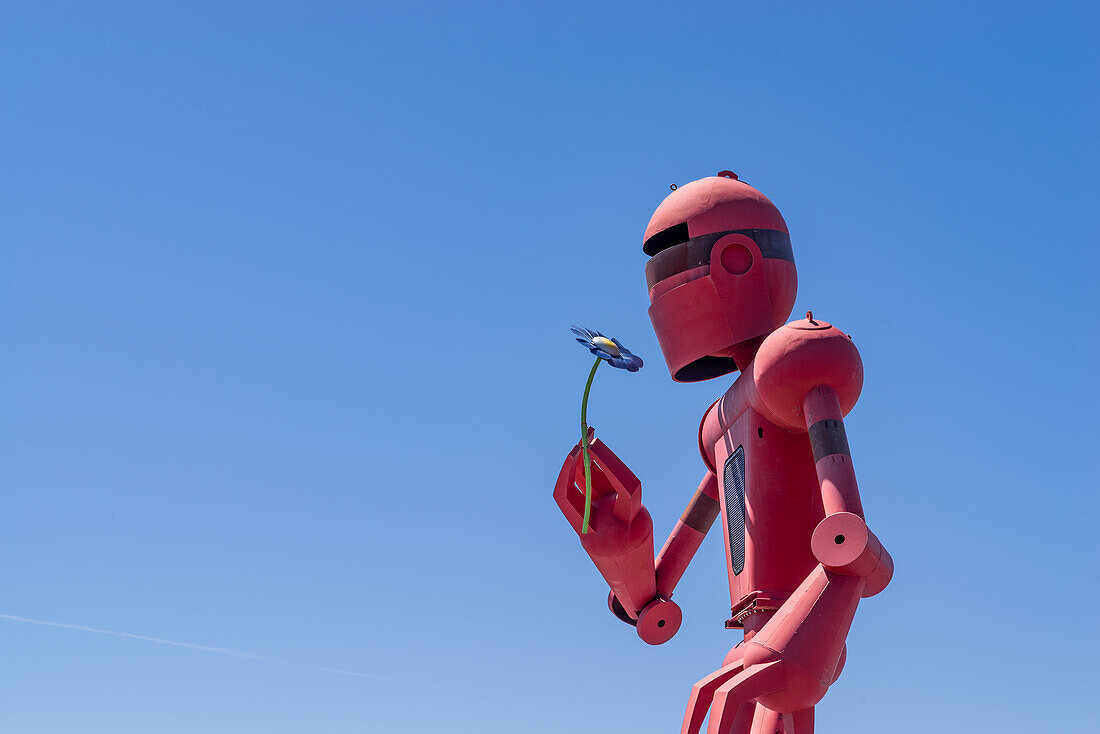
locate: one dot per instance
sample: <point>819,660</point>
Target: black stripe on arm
<point>827,437</point>
<point>700,514</point>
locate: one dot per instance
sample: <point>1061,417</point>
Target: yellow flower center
<point>607,345</point>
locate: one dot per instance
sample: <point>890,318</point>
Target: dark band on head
<point>695,252</point>
<point>666,238</point>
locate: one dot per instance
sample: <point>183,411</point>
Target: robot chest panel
<point>733,498</point>
<point>770,504</point>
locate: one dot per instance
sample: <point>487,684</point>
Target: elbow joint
<point>843,543</point>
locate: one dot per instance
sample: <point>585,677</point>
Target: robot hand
<point>619,538</point>
<point>616,494</point>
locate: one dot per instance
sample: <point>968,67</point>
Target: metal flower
<point>615,354</point>
<point>610,350</point>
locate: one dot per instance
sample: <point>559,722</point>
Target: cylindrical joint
<point>659,621</point>
<point>879,579</point>
<point>844,544</point>
<point>687,536</point>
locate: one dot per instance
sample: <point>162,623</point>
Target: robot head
<point>721,274</point>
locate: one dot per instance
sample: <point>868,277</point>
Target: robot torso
<point>769,494</point>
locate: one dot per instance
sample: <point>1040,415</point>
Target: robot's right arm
<point>620,540</point>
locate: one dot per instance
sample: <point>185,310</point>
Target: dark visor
<point>695,252</point>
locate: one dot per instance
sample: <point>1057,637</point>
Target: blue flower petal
<point>625,360</point>
<point>628,362</point>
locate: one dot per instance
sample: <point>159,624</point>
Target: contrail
<point>206,648</point>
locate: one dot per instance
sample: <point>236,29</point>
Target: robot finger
<point>702,693</point>
<point>742,688</point>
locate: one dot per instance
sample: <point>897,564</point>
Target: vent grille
<point>733,486</point>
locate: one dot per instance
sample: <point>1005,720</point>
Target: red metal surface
<point>707,205</point>
<point>620,537</point>
<point>808,555</point>
<point>709,311</point>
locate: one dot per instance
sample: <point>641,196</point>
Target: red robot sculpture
<point>779,472</point>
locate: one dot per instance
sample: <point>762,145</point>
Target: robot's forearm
<point>620,537</point>
<point>842,542</point>
<point>688,534</point>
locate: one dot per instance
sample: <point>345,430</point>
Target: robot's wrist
<point>617,609</point>
<point>657,622</point>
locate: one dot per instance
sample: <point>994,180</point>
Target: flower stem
<point>584,448</point>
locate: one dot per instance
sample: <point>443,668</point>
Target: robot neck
<point>745,352</point>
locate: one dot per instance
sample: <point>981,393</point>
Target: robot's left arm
<point>688,534</point>
<point>842,542</point>
<point>808,374</point>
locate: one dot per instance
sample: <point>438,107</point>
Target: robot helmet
<point>721,274</point>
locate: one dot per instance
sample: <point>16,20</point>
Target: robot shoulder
<point>800,356</point>
<point>709,429</point>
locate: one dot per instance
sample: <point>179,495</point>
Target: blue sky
<point>284,304</point>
